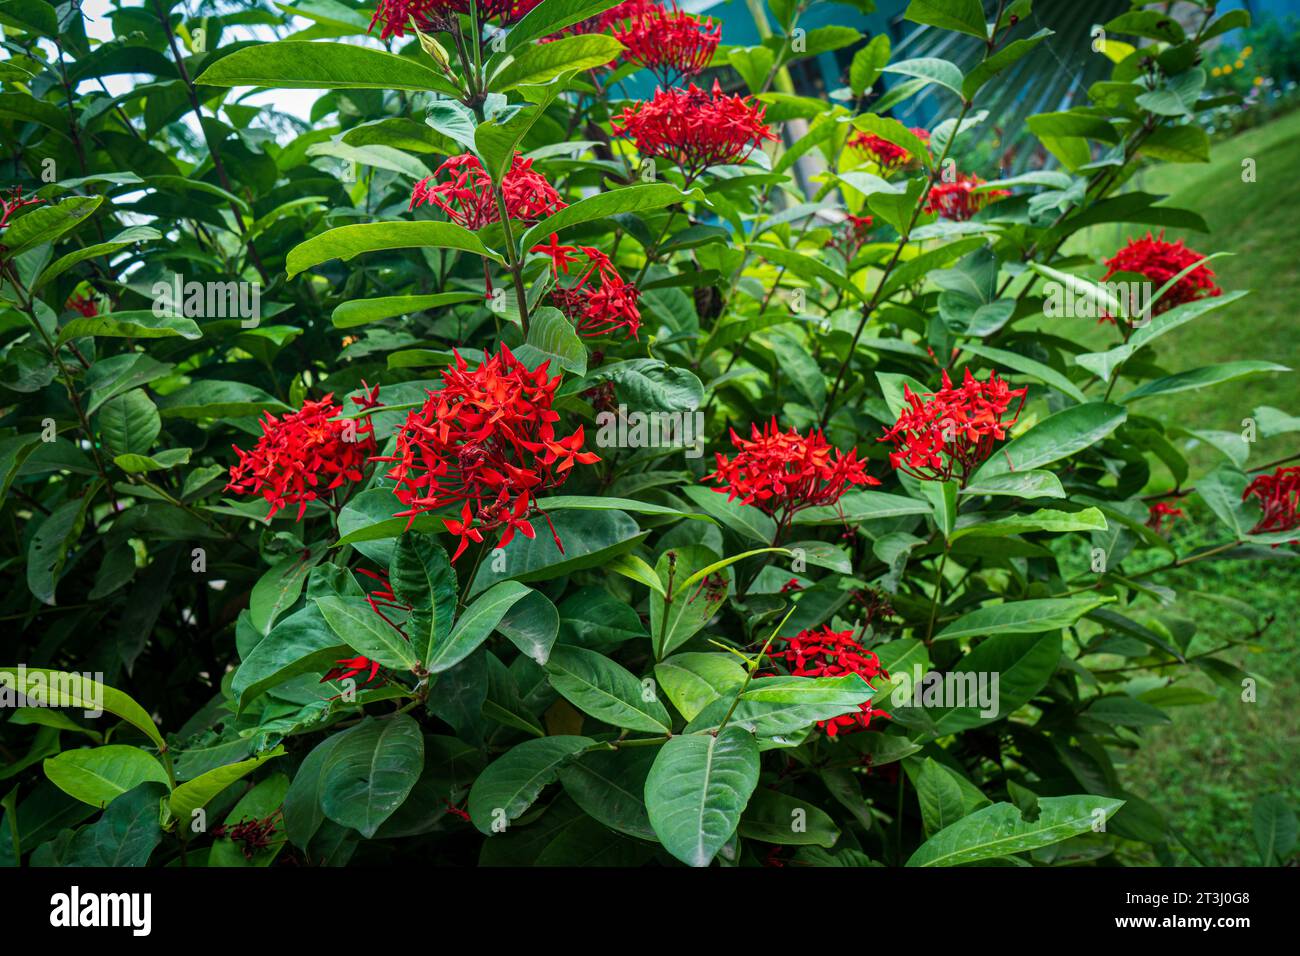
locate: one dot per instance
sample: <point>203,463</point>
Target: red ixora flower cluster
<point>396,15</point>
<point>851,236</point>
<point>958,200</point>
<point>828,653</point>
<point>1160,261</point>
<point>669,43</point>
<point>695,129</point>
<point>599,307</point>
<point>888,156</point>
<point>784,472</point>
<point>253,834</point>
<point>952,431</point>
<point>1159,512</point>
<point>306,453</point>
<point>1279,497</point>
<point>485,441</point>
<point>466,196</point>
<point>15,201</point>
<point>84,304</point>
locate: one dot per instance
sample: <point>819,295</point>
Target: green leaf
<point>1045,519</point>
<point>590,539</point>
<point>807,266</point>
<point>1000,830</point>
<point>356,312</point>
<point>609,785</point>
<point>1202,377</point>
<point>995,64</point>
<point>370,772</point>
<point>544,62</point>
<point>345,242</point>
<point>1031,616</point>
<point>421,576</point>
<point>627,199</point>
<point>963,16</point>
<point>746,520</point>
<point>47,554</point>
<point>356,624</point>
<point>774,817</point>
<point>278,589</point>
<point>692,681</point>
<point>129,423</point>
<point>125,835</point>
<point>209,398</point>
<point>1177,144</point>
<point>195,794</point>
<point>47,223</point>
<point>532,625</point>
<point>1274,824</point>
<point>513,781</point>
<point>697,790</point>
<point>53,688</point>
<point>1021,484</point>
<point>599,687</point>
<point>1055,437</point>
<point>302,803</point>
<point>475,624</point>
<point>300,644</point>
<point>552,17</point>
<point>932,70</point>
<point>296,65</point>
<point>100,775</point>
<point>777,706</point>
<point>867,64</point>
<point>551,338</point>
<point>940,796</point>
<point>896,133</point>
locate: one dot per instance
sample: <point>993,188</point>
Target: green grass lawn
<point>1206,769</point>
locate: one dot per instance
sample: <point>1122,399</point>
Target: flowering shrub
<point>918,608</point>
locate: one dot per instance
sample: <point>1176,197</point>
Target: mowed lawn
<point>1206,769</point>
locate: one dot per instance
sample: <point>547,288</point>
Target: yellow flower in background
<point>1215,71</point>
<point>1246,51</point>
<point>1226,69</point>
<point>1239,64</point>
<point>1259,80</point>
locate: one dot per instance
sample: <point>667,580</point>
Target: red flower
<point>953,431</point>
<point>438,14</point>
<point>595,308</point>
<point>828,653</point>
<point>1158,512</point>
<point>83,304</point>
<point>15,202</point>
<point>1279,497</point>
<point>695,129</point>
<point>305,453</point>
<point>851,236</point>
<point>958,200</point>
<point>670,44</point>
<point>466,197</point>
<point>888,156</point>
<point>351,667</point>
<point>784,473</point>
<point>1160,261</point>
<point>486,441</point>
